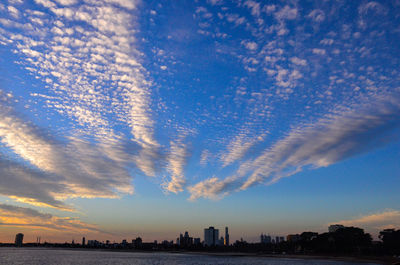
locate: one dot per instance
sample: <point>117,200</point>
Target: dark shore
<point>360,259</point>
<point>384,260</point>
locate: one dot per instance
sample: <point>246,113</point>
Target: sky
<point>126,118</point>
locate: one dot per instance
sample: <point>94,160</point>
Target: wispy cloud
<point>87,48</point>
<point>338,136</point>
<point>177,159</point>
<point>15,216</point>
<point>239,147</point>
<point>69,168</point>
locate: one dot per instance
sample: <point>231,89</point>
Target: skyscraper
<point>226,237</point>
<point>19,239</point>
<point>83,241</point>
<point>210,236</point>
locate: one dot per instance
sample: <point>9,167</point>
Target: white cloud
<point>105,52</point>
<point>67,2</point>
<point>317,15</point>
<point>254,6</point>
<point>298,61</point>
<point>327,41</point>
<point>212,188</point>
<point>13,11</point>
<point>286,13</point>
<point>341,135</point>
<point>177,159</point>
<point>238,148</point>
<point>69,168</point>
<point>319,51</point>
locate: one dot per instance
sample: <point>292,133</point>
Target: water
<point>29,256</point>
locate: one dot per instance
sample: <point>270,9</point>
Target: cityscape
<point>339,240</point>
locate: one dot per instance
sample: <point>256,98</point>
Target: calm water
<point>28,256</point>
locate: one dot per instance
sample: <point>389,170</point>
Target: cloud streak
<point>343,134</point>
<point>61,169</point>
<point>15,216</point>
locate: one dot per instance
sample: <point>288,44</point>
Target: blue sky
<point>122,118</point>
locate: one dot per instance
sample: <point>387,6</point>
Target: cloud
<point>31,186</point>
<point>213,188</point>
<point>343,134</point>
<point>254,6</point>
<point>88,58</point>
<point>177,159</point>
<point>250,45</point>
<point>317,15</point>
<point>334,138</point>
<point>374,222</point>
<point>62,169</point>
<point>319,51</point>
<point>15,216</point>
<point>238,148</point>
<point>286,13</point>
<point>13,11</point>
<point>298,61</point>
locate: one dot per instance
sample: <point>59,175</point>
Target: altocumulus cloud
<point>57,169</point>
<point>335,137</point>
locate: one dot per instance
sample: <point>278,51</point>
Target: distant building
<point>186,240</point>
<point>293,238</point>
<point>308,236</point>
<point>221,241</point>
<point>137,243</point>
<point>196,241</point>
<point>211,236</point>
<point>265,239</point>
<point>334,228</point>
<point>19,238</point>
<point>226,243</point>
<point>83,241</point>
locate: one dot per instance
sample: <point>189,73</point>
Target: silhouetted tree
<point>391,241</point>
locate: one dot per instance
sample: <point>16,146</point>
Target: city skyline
<point>126,118</point>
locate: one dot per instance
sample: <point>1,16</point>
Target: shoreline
<point>361,259</point>
<point>384,260</point>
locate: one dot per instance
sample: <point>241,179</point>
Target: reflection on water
<point>29,256</point>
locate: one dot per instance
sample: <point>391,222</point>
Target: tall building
<point>19,238</point>
<point>83,241</point>
<point>186,240</point>
<point>211,236</point>
<point>334,228</point>
<point>265,239</point>
<point>226,237</point>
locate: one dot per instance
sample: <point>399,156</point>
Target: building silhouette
<point>83,241</point>
<point>226,243</point>
<point>186,240</point>
<point>265,239</point>
<point>19,238</point>
<point>211,236</point>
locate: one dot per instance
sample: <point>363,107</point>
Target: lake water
<point>28,256</point>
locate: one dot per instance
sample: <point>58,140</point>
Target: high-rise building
<point>19,238</point>
<point>265,239</point>
<point>211,236</point>
<point>83,241</point>
<point>226,237</point>
<point>186,240</point>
